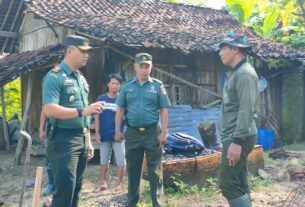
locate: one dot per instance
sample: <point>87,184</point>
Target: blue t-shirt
<point>107,119</point>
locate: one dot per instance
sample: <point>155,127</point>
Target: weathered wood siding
<point>94,73</point>
<point>36,33</point>
<point>200,69</point>
<point>270,100</point>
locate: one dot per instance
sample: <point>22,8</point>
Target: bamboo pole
<point>25,118</point>
<point>37,189</point>
<point>6,136</point>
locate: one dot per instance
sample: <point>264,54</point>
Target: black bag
<point>183,144</point>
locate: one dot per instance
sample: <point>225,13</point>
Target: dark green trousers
<point>67,153</point>
<point>234,180</point>
<point>136,144</point>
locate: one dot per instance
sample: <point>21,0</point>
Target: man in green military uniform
<point>143,98</point>
<point>237,120</point>
<point>65,100</point>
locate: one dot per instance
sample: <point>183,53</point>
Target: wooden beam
<point>6,15</point>
<point>211,104</point>
<point>187,82</point>
<point>6,136</point>
<point>9,34</point>
<point>13,24</point>
<point>37,189</point>
<point>25,118</point>
<point>171,75</point>
<point>274,75</point>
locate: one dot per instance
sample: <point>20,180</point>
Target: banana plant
<point>241,8</point>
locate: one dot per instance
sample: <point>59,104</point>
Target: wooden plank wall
<point>201,69</point>
<point>270,102</point>
<point>36,34</point>
<point>94,73</point>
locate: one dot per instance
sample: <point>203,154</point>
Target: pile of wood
<point>283,154</point>
<point>290,170</point>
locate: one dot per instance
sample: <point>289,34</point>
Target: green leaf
<point>270,21</point>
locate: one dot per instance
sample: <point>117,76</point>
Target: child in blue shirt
<point>104,133</point>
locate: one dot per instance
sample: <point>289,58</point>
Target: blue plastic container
<point>265,138</point>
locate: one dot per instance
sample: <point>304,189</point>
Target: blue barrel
<point>265,138</point>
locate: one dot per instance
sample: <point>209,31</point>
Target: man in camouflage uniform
<point>237,119</point>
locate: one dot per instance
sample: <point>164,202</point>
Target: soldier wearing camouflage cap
<point>237,119</point>
<point>145,100</point>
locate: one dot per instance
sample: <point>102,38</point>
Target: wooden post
<point>6,137</point>
<point>25,118</point>
<point>37,189</point>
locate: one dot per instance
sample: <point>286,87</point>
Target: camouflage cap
<point>78,41</point>
<point>234,39</point>
<point>143,58</point>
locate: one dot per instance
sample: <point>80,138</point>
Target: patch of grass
<point>179,187</point>
<point>6,205</point>
<point>92,174</point>
<point>256,183</point>
<point>295,147</point>
<point>145,194</point>
<point>269,161</point>
<point>182,190</point>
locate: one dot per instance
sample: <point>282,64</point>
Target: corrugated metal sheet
<point>184,119</point>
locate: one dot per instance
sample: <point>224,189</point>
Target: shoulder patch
<point>163,90</point>
<point>56,69</point>
<point>157,81</point>
<point>53,75</point>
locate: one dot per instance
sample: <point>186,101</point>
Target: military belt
<point>79,130</point>
<point>144,128</point>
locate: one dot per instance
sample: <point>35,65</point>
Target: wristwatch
<point>80,112</point>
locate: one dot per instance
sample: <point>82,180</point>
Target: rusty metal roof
<point>153,23</point>
<point>11,15</point>
<point>14,65</point>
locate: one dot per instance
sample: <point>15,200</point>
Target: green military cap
<point>78,41</point>
<point>143,58</point>
<point>235,40</point>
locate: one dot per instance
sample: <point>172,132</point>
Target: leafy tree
<point>281,20</point>
<point>241,9</point>
<point>12,99</point>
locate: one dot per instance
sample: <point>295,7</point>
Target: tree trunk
<point>5,128</point>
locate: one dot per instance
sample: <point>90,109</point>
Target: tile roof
<point>14,65</point>
<point>153,23</point>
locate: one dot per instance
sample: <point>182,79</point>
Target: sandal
<point>118,190</point>
<point>100,188</point>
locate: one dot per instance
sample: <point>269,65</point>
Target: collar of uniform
<point>137,81</point>
<point>239,64</point>
<point>66,68</point>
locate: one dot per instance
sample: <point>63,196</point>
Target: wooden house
<point>181,39</point>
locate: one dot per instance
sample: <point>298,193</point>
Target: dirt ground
<point>273,194</point>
